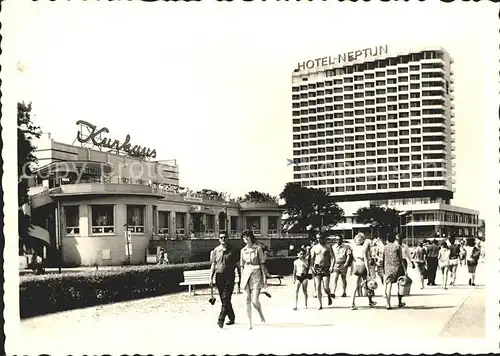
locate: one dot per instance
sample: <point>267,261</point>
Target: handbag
<point>425,274</point>
<point>404,285</point>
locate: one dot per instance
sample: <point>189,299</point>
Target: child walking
<point>300,271</point>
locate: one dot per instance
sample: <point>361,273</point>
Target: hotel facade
<point>375,128</point>
<point>106,202</point>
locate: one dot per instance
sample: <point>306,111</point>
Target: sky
<point>209,84</point>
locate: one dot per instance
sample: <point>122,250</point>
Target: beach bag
<point>404,285</point>
<point>368,287</point>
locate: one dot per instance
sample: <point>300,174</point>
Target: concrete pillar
<point>120,220</point>
<point>156,222</point>
<point>171,223</point>
<point>217,227</point>
<point>187,221</point>
<point>148,220</point>
<point>264,226</point>
<point>84,220</point>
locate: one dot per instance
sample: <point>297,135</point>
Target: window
<point>135,218</point>
<point>180,223</point>
<point>103,221</point>
<point>72,214</point>
<point>163,218</point>
<point>253,223</point>
<point>210,224</point>
<point>272,223</point>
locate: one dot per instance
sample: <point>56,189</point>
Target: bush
<point>200,256</point>
<point>282,266</point>
<point>49,293</point>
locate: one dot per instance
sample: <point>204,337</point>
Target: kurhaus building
<point>377,128</point>
<point>106,202</point>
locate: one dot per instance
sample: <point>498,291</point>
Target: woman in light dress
<point>420,258</point>
<point>253,275</point>
<point>444,262</point>
<point>361,256</point>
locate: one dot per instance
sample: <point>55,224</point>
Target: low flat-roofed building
<point>108,208</point>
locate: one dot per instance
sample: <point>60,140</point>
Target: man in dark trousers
<point>225,259</point>
<point>432,262</point>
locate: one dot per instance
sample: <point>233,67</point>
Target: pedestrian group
<point>387,259</point>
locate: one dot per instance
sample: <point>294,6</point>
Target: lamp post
<point>412,232</point>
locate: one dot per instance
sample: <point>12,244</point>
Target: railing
<point>137,229</point>
<point>38,191</point>
<point>210,233</point>
<point>103,229</point>
<point>234,233</point>
<point>72,230</point>
<point>300,235</point>
<point>203,235</point>
<point>163,230</point>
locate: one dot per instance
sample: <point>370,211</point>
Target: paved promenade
<point>183,324</point>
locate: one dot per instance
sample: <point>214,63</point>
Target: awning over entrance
<point>39,233</point>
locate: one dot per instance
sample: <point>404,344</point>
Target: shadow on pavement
<point>466,286</point>
<point>425,307</point>
<point>293,325</point>
<point>428,294</point>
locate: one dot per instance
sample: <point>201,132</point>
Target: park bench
<point>199,277</point>
<point>275,276</point>
<point>202,277</point>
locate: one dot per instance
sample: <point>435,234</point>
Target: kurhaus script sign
<point>126,147</point>
<point>343,58</point>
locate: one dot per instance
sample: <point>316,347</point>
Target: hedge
<point>50,293</point>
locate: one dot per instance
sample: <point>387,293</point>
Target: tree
<point>259,197</point>
<point>211,194</point>
<point>309,207</point>
<point>385,220</point>
<point>26,131</point>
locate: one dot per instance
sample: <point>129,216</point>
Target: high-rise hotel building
<point>378,128</point>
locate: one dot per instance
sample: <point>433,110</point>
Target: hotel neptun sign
<point>342,58</point>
